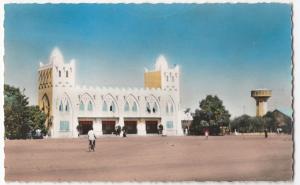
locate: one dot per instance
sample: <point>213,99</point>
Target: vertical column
<point>141,127</point>
<point>55,127</point>
<point>75,131</point>
<point>179,128</point>
<point>257,107</point>
<point>177,122</point>
<point>265,107</point>
<point>121,121</point>
<point>97,126</point>
<point>262,108</point>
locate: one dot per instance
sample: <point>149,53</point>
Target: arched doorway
<point>85,126</point>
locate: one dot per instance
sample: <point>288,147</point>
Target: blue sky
<point>222,49</point>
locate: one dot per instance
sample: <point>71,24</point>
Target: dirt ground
<point>153,158</point>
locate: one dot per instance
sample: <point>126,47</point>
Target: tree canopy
<point>246,123</point>
<point>271,121</point>
<point>214,111</point>
<point>212,114</point>
<point>20,119</point>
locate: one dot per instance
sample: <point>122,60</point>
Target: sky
<point>222,49</point>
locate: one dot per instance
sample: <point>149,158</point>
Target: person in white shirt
<point>92,139</point>
<point>206,133</point>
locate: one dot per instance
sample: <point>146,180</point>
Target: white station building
<point>140,109</point>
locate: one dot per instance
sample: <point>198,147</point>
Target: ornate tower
<point>167,79</point>
<point>162,76</point>
<point>51,78</point>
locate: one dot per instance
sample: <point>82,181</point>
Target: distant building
<point>69,107</point>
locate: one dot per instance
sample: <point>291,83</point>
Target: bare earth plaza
<point>228,158</point>
<point>167,92</point>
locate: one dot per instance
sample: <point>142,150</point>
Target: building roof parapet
<point>56,57</point>
<point>44,66</point>
<point>110,88</point>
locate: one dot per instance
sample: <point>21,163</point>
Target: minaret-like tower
<point>167,79</point>
<point>163,76</point>
<point>261,96</point>
<point>53,76</point>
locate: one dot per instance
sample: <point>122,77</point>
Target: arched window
<point>167,78</point>
<point>90,106</point>
<point>112,108</point>
<point>167,108</point>
<point>67,107</point>
<point>81,106</point>
<point>172,109</point>
<point>61,106</point>
<point>67,74</point>
<point>134,107</point>
<point>148,109</point>
<point>104,106</point>
<point>126,107</point>
<point>155,108</point>
<point>59,73</point>
<point>173,79</point>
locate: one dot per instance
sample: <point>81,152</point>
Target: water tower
<point>261,96</point>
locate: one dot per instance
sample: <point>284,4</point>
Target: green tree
<point>37,119</point>
<point>16,113</point>
<point>247,124</point>
<point>199,122</point>
<point>270,122</point>
<point>212,114</point>
<point>240,123</point>
<point>215,111</point>
<point>20,119</point>
<point>276,119</point>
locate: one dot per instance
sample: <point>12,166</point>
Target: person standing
<point>92,139</point>
<point>266,133</point>
<point>206,133</point>
<point>124,129</point>
<point>160,129</point>
<point>119,130</point>
<point>186,131</point>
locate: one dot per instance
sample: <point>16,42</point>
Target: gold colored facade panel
<point>152,79</point>
<point>45,93</point>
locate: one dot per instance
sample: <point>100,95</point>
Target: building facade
<point>69,107</point>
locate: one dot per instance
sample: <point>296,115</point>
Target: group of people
<point>122,131</point>
<point>119,131</point>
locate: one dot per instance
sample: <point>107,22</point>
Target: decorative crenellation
<point>117,89</point>
<point>68,103</point>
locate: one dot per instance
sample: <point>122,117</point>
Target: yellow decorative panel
<point>45,93</point>
<point>152,79</point>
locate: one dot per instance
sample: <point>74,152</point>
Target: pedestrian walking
<point>118,130</point>
<point>92,140</point>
